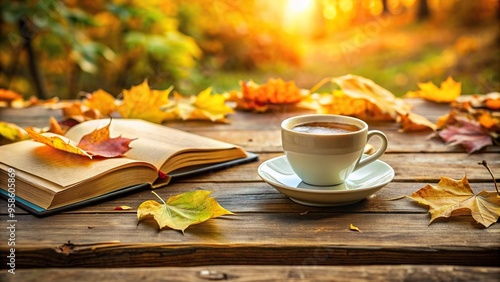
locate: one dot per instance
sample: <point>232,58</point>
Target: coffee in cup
<point>325,128</point>
<point>323,150</point>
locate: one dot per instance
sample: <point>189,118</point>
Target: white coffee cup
<point>328,158</point>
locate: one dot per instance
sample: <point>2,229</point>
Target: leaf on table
<point>354,228</point>
<point>468,133</point>
<point>79,112</point>
<point>142,102</point>
<point>413,122</point>
<point>55,127</point>
<point>452,197</point>
<point>10,133</point>
<point>362,98</point>
<point>183,210</point>
<point>122,208</point>
<point>339,103</point>
<point>8,96</point>
<point>101,101</point>
<point>56,141</point>
<point>204,106</point>
<point>446,93</point>
<point>99,143</point>
<point>482,108</point>
<point>260,98</point>
<point>492,101</point>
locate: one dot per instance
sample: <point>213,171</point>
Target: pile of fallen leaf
<point>473,122</point>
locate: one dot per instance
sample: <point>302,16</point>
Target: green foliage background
<point>112,45</point>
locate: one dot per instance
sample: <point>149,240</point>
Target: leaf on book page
<point>183,210</point>
<point>452,197</point>
<point>204,106</point>
<point>261,98</point>
<point>56,141</point>
<point>142,102</point>
<point>99,143</point>
<point>446,93</point>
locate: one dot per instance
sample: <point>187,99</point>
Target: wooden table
<point>270,237</point>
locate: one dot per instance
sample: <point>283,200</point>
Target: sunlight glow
<point>298,6</point>
<point>299,16</point>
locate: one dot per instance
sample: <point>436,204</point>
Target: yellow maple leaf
<point>204,106</point>
<point>56,141</point>
<point>142,102</point>
<point>183,210</point>
<point>452,197</point>
<point>447,93</point>
<point>102,101</point>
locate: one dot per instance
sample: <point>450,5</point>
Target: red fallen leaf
<point>468,133</point>
<point>122,208</point>
<point>99,143</point>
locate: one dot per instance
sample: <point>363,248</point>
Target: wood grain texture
<point>271,237</point>
<point>382,273</point>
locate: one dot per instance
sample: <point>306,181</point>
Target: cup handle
<point>381,150</point>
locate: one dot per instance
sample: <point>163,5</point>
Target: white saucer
<point>361,184</point>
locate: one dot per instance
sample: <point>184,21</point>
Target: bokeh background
<point>63,48</point>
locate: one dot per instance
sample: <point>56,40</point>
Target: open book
<point>47,179</point>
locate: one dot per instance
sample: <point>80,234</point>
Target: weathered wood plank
<point>258,196</point>
<point>286,238</point>
<point>262,273</point>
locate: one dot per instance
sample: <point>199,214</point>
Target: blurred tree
<point>70,46</point>
<point>423,11</point>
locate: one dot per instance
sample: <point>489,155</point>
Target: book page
<point>154,143</point>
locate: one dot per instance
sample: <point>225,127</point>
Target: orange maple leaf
<point>452,197</point>
<point>261,97</point>
<point>447,93</point>
<point>99,143</point>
